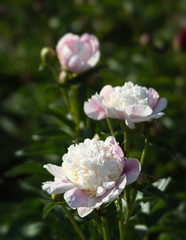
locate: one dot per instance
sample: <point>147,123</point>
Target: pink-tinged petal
<point>84,211</point>
<point>132,170</point>
<point>74,64</point>
<point>154,96</point>
<point>93,59</point>
<point>111,194</point>
<point>56,171</point>
<point>76,198</point>
<point>115,146</point>
<point>106,91</point>
<point>92,40</point>
<point>161,104</point>
<point>65,56</point>
<point>84,52</point>
<point>138,111</point>
<point>94,109</point>
<point>69,37</point>
<point>57,187</point>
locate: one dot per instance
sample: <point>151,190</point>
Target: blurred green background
<point>137,44</point>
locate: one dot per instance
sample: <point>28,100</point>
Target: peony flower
<point>130,102</point>
<point>92,173</point>
<point>78,54</point>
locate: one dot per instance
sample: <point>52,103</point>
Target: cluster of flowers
<point>95,172</point>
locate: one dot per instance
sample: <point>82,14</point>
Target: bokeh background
<point>138,43</point>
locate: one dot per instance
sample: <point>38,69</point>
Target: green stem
<point>106,235</point>
<point>64,93</point>
<point>77,228</point>
<point>131,207</point>
<point>127,196</point>
<point>126,144</point>
<point>132,203</point>
<point>144,152</point>
<point>121,220</point>
<point>110,126</point>
<point>126,151</point>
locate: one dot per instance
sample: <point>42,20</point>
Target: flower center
<point>92,165</point>
<point>126,95</point>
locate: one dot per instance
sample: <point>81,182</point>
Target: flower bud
<point>57,197</point>
<point>78,54</point>
<point>140,181</point>
<point>62,77</point>
<point>48,55</point>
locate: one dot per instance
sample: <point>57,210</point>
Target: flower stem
<point>64,93</point>
<point>121,220</point>
<point>106,235</point>
<point>126,144</point>
<point>110,126</point>
<point>144,152</point>
<point>135,191</point>
<point>126,151</point>
<point>131,207</point>
<point>77,228</point>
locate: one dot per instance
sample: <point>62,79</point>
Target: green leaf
<point>27,168</point>
<point>167,228</point>
<point>59,114</point>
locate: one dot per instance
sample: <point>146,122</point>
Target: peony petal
<point>109,185</point>
<point>84,52</point>
<point>154,96</point>
<point>55,170</point>
<point>57,187</point>
<point>161,104</point>
<point>106,91</point>
<point>75,64</point>
<point>158,115</point>
<point>93,108</point>
<point>111,140</point>
<point>69,37</point>
<point>91,40</point>
<point>65,56</point>
<point>76,198</point>
<point>111,194</point>
<point>129,122</point>
<point>100,191</point>
<point>84,211</point>
<point>138,111</point>
<point>114,113</point>
<point>94,58</point>
<point>132,170</point>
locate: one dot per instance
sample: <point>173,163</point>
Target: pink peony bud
<point>78,54</point>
